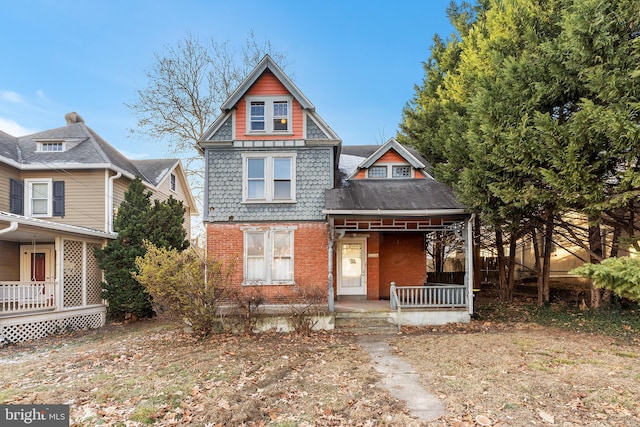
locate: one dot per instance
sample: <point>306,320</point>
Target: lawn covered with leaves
<point>505,367</point>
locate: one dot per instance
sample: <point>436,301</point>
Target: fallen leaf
<point>546,417</point>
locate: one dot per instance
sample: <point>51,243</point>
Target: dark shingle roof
<point>8,146</point>
<point>386,194</point>
<point>155,170</point>
<point>391,194</point>
<point>83,147</point>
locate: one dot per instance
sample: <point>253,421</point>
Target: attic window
<point>378,172</point>
<point>51,146</point>
<point>389,171</point>
<point>269,114</point>
<point>401,171</point>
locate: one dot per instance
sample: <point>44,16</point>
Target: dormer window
<point>378,172</point>
<point>51,146</point>
<point>269,114</point>
<point>389,171</point>
<point>401,171</point>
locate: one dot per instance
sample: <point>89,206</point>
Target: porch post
<point>330,294</point>
<point>59,288</point>
<point>468,273</point>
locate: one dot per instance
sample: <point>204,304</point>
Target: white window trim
<point>173,182</point>
<point>268,179</point>
<point>268,255</point>
<point>268,115</point>
<point>28,184</point>
<point>390,167</point>
<point>40,146</point>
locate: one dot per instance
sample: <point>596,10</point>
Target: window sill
<point>258,283</point>
<point>268,202</point>
<point>265,133</point>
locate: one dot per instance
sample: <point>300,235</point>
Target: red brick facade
<point>225,243</point>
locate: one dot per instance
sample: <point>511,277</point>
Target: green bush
<point>619,275</point>
<point>176,281</point>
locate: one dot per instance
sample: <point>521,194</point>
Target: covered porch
<point>49,278</point>
<point>382,265</point>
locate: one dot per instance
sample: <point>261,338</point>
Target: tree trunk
<point>546,263</point>
<point>595,256</point>
<point>438,252</point>
<point>536,266</point>
<point>477,260</point>
<point>502,270</point>
<point>511,275</point>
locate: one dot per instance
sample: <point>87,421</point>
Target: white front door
<point>352,266</point>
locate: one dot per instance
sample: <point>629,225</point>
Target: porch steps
<point>365,322</point>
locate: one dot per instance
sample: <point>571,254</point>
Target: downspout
<point>109,204</point>
<point>12,227</point>
<point>330,294</point>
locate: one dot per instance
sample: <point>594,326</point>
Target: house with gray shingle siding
<point>59,191</point>
<point>294,209</point>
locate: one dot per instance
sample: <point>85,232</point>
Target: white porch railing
<point>432,295</point>
<point>19,297</point>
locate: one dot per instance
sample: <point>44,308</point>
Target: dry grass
<point>514,374</point>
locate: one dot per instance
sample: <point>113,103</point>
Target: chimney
<point>72,118</point>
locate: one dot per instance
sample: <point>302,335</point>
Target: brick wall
<point>402,260</point>
<point>225,243</point>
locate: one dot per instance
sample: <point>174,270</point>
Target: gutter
<point>377,212</point>
<point>12,227</point>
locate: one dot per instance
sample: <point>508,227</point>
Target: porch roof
<point>18,226</point>
<point>413,197</point>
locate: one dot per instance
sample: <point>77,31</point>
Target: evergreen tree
<point>546,97</point>
<point>137,221</point>
<point>166,223</point>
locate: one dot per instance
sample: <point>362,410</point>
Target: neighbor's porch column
<point>59,280</point>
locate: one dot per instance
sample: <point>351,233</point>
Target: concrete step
<point>365,322</point>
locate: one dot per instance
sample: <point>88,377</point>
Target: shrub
<point>176,281</point>
<point>620,275</point>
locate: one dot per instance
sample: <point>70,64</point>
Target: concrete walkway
<point>399,377</point>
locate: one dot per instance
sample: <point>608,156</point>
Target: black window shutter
<point>58,198</point>
<point>16,203</point>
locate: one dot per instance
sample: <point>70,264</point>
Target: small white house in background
<point>59,191</point>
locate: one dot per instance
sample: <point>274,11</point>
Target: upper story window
<point>50,147</point>
<point>389,171</point>
<point>401,171</point>
<point>172,182</point>
<point>270,114</point>
<point>269,177</point>
<point>37,197</point>
<point>377,172</point>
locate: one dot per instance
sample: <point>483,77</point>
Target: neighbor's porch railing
<point>432,295</point>
<point>19,297</point>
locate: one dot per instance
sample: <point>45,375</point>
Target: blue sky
<point>356,60</point>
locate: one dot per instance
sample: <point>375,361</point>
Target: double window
<point>385,171</point>
<point>268,115</point>
<point>269,177</point>
<point>268,256</point>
